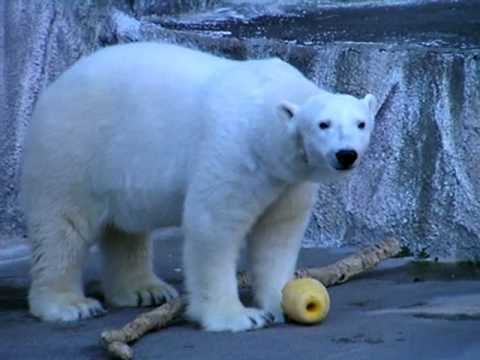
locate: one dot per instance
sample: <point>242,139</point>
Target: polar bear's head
<point>332,131</point>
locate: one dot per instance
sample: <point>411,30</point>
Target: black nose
<point>346,158</point>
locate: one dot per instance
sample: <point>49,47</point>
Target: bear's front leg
<point>274,243</point>
<point>214,230</point>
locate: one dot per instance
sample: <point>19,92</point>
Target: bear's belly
<point>139,198</point>
<point>144,210</point>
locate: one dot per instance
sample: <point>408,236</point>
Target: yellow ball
<point>305,300</point>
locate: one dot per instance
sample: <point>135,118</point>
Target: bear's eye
<point>361,125</point>
<point>324,125</point>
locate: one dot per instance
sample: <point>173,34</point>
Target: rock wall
<point>418,182</point>
<point>38,40</point>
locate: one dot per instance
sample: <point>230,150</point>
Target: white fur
<point>143,136</point>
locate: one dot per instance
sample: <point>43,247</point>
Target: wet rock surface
<point>429,24</point>
<point>419,181</point>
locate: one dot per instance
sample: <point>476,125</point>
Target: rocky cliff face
<point>419,181</point>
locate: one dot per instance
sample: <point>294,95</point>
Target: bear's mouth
<point>342,168</point>
<point>345,168</point>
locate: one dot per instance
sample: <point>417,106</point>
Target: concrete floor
<point>401,310</point>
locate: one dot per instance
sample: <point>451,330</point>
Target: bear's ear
<point>371,103</point>
<point>287,110</point>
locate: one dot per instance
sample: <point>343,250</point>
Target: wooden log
<point>116,341</point>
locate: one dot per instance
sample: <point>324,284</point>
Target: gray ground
<point>402,310</point>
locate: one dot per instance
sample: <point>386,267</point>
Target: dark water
<point>433,24</point>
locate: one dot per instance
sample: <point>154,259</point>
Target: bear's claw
<point>149,298</point>
<point>242,319</point>
<point>152,293</point>
<point>97,312</point>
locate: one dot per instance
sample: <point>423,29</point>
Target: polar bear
<point>142,136</point>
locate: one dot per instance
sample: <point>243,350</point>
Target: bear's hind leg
<point>59,249</point>
<point>128,277</point>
